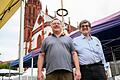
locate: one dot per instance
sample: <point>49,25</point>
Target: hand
<point>77,74</point>
<point>106,73</point>
<point>40,76</point>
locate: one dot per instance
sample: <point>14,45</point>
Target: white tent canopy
<point>4,72</point>
<point>7,71</point>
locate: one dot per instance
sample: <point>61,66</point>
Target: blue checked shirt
<point>89,50</point>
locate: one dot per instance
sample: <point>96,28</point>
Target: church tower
<point>32,9</point>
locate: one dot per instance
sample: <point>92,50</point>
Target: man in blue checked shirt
<point>90,52</point>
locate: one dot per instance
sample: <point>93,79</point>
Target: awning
<point>7,9</point>
<point>27,60</point>
<point>108,33</point>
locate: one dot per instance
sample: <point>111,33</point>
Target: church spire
<point>69,26</point>
<point>46,10</point>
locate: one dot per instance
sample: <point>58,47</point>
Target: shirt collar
<point>60,35</point>
<point>83,37</point>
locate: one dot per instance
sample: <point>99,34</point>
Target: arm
<point>102,55</point>
<point>40,65</point>
<point>103,58</point>
<point>77,67</point>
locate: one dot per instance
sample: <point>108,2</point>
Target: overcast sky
<point>78,10</point>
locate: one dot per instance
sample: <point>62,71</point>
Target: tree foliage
<point>6,66</point>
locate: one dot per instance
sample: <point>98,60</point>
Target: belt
<point>98,63</point>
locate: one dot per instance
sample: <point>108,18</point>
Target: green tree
<point>6,66</point>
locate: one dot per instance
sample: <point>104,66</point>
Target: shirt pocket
<point>97,48</point>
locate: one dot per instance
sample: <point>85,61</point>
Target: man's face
<point>56,26</point>
<point>85,28</point>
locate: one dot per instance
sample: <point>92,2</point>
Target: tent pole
<point>114,60</point>
<point>32,69</point>
<point>2,77</point>
<point>21,35</point>
<point>9,72</point>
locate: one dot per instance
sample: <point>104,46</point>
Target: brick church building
<point>37,25</point>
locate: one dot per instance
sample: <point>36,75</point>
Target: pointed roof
<point>46,10</point>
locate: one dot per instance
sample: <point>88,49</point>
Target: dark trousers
<point>93,72</point>
<point>60,75</point>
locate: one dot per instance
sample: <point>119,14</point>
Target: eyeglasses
<point>84,26</point>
